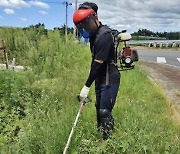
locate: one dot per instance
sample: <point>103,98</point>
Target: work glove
<point>84,92</point>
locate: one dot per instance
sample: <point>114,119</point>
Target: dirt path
<point>168,78</point>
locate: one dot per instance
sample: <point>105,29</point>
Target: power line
<point>48,2</point>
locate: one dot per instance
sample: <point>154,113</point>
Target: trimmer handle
<point>84,100</point>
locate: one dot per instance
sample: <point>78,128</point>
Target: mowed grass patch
<point>142,121</point>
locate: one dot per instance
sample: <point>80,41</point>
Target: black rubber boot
<point>108,125</point>
<point>107,122</point>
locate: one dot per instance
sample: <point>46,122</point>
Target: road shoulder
<point>168,79</point>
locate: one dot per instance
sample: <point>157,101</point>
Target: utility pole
<point>76,5</point>
<point>66,25</point>
<point>75,30</point>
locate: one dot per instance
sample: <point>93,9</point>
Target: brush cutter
<point>83,102</point>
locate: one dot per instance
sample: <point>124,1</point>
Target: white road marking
<point>178,59</point>
<point>161,60</point>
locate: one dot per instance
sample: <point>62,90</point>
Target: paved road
<point>169,57</point>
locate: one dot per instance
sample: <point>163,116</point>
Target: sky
<point>154,15</point>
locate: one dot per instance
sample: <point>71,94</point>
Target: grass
<point>48,96</point>
<point>143,121</point>
<point>178,93</point>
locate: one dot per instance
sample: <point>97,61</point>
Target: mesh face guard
<point>79,15</point>
<point>83,23</point>
<point>81,19</point>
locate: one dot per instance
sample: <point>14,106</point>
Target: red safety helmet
<point>81,14</point>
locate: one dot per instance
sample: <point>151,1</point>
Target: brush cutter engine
<point>126,56</point>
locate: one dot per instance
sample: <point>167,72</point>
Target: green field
<point>38,106</point>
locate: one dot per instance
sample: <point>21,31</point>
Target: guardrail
<point>164,44</point>
<point>157,43</point>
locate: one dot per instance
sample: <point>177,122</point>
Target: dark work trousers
<point>106,95</point>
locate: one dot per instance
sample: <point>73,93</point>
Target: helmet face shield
<point>81,26</point>
<point>81,19</point>
<point>83,23</point>
<point>79,15</point>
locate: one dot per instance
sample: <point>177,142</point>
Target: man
<point>103,71</point>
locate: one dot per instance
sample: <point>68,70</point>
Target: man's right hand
<point>84,92</point>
